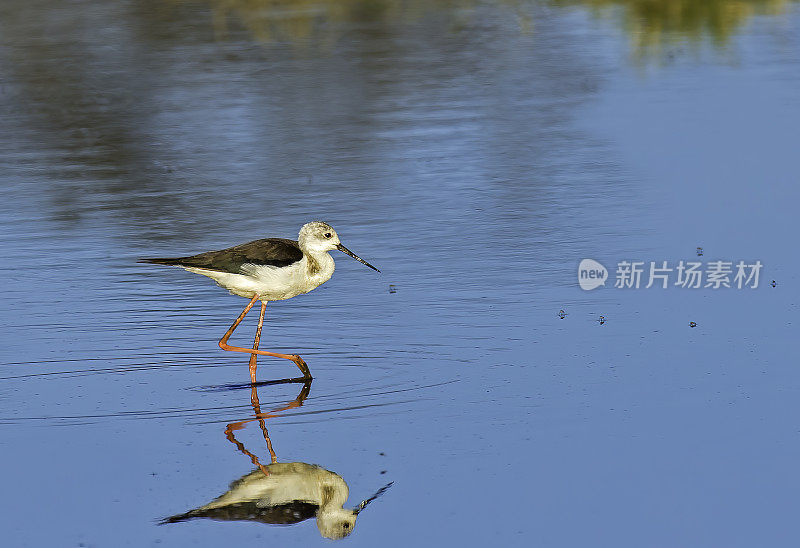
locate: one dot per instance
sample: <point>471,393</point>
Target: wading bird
<point>272,269</point>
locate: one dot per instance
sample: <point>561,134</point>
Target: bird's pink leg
<point>223,343</point>
<point>255,343</point>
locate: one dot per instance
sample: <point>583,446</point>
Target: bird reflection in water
<point>282,493</point>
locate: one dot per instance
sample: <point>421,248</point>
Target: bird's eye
<point>328,234</point>
<point>346,525</point>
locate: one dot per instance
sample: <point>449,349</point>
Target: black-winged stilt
<point>271,269</point>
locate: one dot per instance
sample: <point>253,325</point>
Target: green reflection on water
<point>296,20</point>
<point>652,25</point>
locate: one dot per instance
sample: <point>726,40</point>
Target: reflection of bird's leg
<point>261,422</point>
<point>298,401</point>
<point>223,343</point>
<point>261,418</point>
<point>240,446</point>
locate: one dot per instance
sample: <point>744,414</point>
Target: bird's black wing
<point>269,251</point>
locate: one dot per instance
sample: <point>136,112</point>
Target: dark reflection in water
<point>656,28</point>
<point>282,493</point>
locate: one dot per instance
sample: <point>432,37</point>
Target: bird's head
<point>319,237</point>
<point>336,523</point>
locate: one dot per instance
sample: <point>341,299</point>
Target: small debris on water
<point>692,324</point>
<point>699,251</point>
<point>392,288</point>
<point>562,314</point>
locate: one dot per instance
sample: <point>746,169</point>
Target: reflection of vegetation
<point>269,20</point>
<point>654,24</point>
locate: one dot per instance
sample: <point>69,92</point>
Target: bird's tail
<point>165,261</point>
<point>177,518</point>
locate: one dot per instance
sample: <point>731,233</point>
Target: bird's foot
<point>302,366</point>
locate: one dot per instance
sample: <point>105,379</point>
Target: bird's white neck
<point>319,266</point>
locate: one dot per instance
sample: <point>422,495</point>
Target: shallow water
<point>475,153</point>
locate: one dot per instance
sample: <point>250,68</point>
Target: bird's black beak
<point>346,251</point>
<point>363,503</point>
